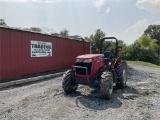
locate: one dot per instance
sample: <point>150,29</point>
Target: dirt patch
<point>140,100</point>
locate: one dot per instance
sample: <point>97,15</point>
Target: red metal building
<point>16,57</point>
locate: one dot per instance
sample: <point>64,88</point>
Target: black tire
<point>122,76</point>
<point>69,86</point>
<point>106,85</point>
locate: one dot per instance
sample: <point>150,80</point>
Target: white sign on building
<point>41,49</point>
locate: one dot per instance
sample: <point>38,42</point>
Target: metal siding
<point>31,60</point>
<point>11,54</point>
<point>35,60</point>
<point>26,63</point>
<point>16,59</point>
<point>18,50</point>
<point>23,53</point>
<point>0,54</point>
<point>2,39</point>
<point>6,54</point>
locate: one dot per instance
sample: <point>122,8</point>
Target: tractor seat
<point>108,55</point>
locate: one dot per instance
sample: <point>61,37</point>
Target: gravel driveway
<point>140,100</point>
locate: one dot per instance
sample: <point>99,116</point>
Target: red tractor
<point>97,70</point>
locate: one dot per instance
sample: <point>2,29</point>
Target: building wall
<point>0,55</point>
<point>15,53</point>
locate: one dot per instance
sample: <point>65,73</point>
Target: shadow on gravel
<point>94,102</point>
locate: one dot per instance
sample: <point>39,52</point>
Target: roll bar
<point>101,44</point>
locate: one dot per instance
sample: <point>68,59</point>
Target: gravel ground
<point>140,100</point>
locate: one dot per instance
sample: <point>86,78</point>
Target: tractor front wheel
<point>68,84</point>
<point>106,85</point>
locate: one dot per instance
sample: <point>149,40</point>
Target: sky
<point>124,19</point>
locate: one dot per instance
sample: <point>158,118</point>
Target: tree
<point>55,34</point>
<point>35,29</point>
<point>148,49</point>
<point>111,45</point>
<point>77,37</point>
<point>64,33</point>
<point>2,22</point>
<point>27,29</point>
<point>143,49</point>
<point>94,39</point>
<point>126,52</point>
<point>153,31</point>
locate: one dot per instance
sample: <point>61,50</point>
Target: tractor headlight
<point>78,60</point>
<point>87,61</point>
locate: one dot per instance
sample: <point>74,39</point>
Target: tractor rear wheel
<point>68,84</point>
<point>122,78</point>
<point>106,85</point>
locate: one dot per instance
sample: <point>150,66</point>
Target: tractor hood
<point>89,56</point>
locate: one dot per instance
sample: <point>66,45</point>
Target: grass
<point>143,63</point>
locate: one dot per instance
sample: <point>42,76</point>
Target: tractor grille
<point>82,71</point>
